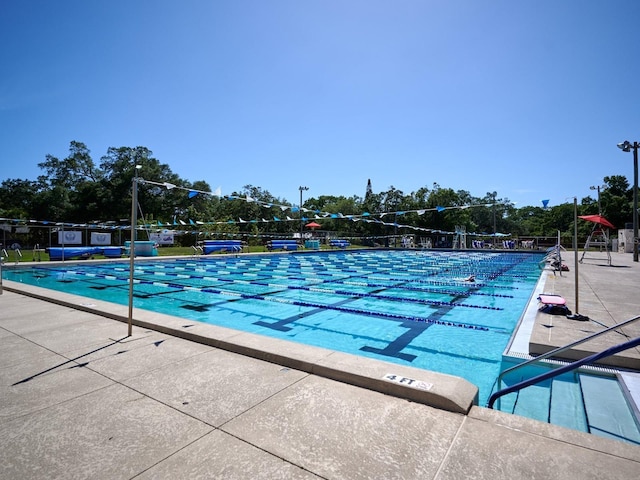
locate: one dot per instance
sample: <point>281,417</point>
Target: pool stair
<point>579,394</point>
<point>597,401</point>
<point>586,402</point>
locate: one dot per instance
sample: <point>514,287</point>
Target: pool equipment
<point>142,248</point>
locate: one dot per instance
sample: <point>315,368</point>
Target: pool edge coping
<point>438,390</point>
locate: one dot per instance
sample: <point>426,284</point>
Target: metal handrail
<point>555,351</point>
<point>559,371</point>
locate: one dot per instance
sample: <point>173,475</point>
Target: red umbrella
<point>597,219</point>
<point>313,225</point>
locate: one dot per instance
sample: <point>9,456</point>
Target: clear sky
<point>526,98</point>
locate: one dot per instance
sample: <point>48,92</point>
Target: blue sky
<point>526,98</point>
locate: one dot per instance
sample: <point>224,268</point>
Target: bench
<point>112,252</point>
<point>335,243</point>
<point>69,253</point>
<point>210,246</point>
<point>282,245</point>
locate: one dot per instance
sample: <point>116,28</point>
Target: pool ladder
<point>591,359</point>
<point>5,255</point>
<point>17,255</point>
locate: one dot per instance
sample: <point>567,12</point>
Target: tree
<point>74,189</point>
<point>617,200</point>
<point>445,220</point>
<point>71,172</point>
<point>528,221</point>
<point>252,210</point>
<point>70,185</point>
<point>119,167</point>
<point>18,198</point>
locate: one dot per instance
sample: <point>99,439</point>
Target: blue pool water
<point>585,400</point>
<point>408,307</point>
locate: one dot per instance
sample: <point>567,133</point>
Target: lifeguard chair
<point>460,240</point>
<point>599,235</point>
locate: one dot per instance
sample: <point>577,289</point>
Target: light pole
<point>301,188</point>
<point>132,247</point>
<point>495,229</point>
<point>599,205</point>
<point>626,146</point>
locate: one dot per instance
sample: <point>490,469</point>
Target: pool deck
<point>607,294</point>
<point>81,399</point>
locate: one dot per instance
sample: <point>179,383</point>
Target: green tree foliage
<point>120,167</point>
<point>617,200</point>
<point>75,189</point>
<point>337,204</point>
<point>18,198</point>
<point>528,221</point>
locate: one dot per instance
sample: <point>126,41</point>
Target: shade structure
<point>313,225</point>
<point>597,219</point>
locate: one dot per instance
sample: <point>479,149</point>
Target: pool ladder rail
<point>4,256</point>
<point>565,367</point>
<point>17,255</point>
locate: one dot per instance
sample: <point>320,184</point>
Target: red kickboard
<point>552,300</point>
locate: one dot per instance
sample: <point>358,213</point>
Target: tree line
<point>77,190</point>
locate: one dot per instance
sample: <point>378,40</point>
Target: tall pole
<point>626,146</point>
<point>575,248</point>
<point>301,188</point>
<point>495,230</point>
<point>575,315</point>
<point>635,201</point>
<point>134,221</point>
<point>599,204</point>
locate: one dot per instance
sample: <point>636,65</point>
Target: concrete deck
<point>607,294</point>
<point>80,399</point>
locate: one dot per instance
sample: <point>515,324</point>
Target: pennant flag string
<point>296,209</point>
<point>196,224</point>
<point>365,216</point>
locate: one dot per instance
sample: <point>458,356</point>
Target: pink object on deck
<point>552,299</point>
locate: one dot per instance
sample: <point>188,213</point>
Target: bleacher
<point>282,245</point>
<point>337,243</point>
<point>210,246</point>
<point>70,253</point>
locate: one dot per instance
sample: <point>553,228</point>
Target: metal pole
<point>575,248</point>
<point>626,146</point>
<point>635,201</point>
<point>134,221</point>
<point>599,204</point>
<point>495,228</point>
<point>301,188</point>
<point>395,228</point>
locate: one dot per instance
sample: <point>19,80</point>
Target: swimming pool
<point>408,307</point>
